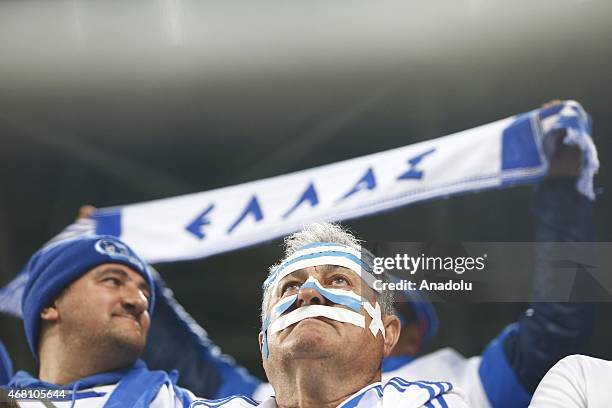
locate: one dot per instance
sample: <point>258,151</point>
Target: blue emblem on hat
<point>116,250</point>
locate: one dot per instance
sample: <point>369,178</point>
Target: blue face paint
<point>280,308</point>
<point>357,259</point>
<point>336,296</point>
<point>350,299</point>
<point>264,336</point>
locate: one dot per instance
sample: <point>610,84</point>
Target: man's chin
<point>129,344</point>
<point>309,347</point>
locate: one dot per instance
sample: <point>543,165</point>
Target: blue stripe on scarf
<point>108,221</point>
<point>518,145</point>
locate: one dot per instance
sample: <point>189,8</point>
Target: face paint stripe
<point>327,247</point>
<point>323,247</point>
<point>275,321</point>
<point>359,252</point>
<point>281,270</point>
<point>334,313</point>
<point>348,299</point>
<point>337,291</point>
<point>283,305</point>
<point>319,261</point>
<point>278,310</point>
<point>265,338</point>
<point>376,314</point>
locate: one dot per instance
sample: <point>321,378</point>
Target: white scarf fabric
<point>507,152</point>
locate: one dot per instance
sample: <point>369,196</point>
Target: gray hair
<point>322,232</point>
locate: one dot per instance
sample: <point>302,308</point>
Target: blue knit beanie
<point>55,267</point>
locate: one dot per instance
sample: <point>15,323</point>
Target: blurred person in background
<point>575,382</point>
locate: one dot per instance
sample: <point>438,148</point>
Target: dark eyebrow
<point>299,274</point>
<point>111,269</point>
<point>118,271</point>
<point>295,274</point>
<point>326,270</point>
<point>332,269</point>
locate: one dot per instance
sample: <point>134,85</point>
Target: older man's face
<point>322,337</point>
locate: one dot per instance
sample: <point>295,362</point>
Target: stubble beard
<point>122,342</point>
<point>113,343</point>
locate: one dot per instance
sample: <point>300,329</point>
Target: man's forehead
<point>320,269</point>
<point>110,268</point>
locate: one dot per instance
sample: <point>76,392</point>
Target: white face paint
<point>319,254</point>
<point>357,261</point>
<point>301,313</point>
<point>375,313</point>
<point>279,321</point>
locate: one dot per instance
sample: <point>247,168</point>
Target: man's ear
<point>392,333</point>
<point>49,313</point>
<point>260,337</point>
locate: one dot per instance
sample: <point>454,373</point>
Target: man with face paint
<point>325,332</point>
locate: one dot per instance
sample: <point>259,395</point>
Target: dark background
<point>126,102</point>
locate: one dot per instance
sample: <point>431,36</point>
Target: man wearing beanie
<point>86,311</point>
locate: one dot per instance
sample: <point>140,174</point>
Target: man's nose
<point>308,297</point>
<point>134,300</point>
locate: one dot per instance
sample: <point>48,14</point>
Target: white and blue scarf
<point>503,153</point>
<point>511,151</point>
<point>137,386</point>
